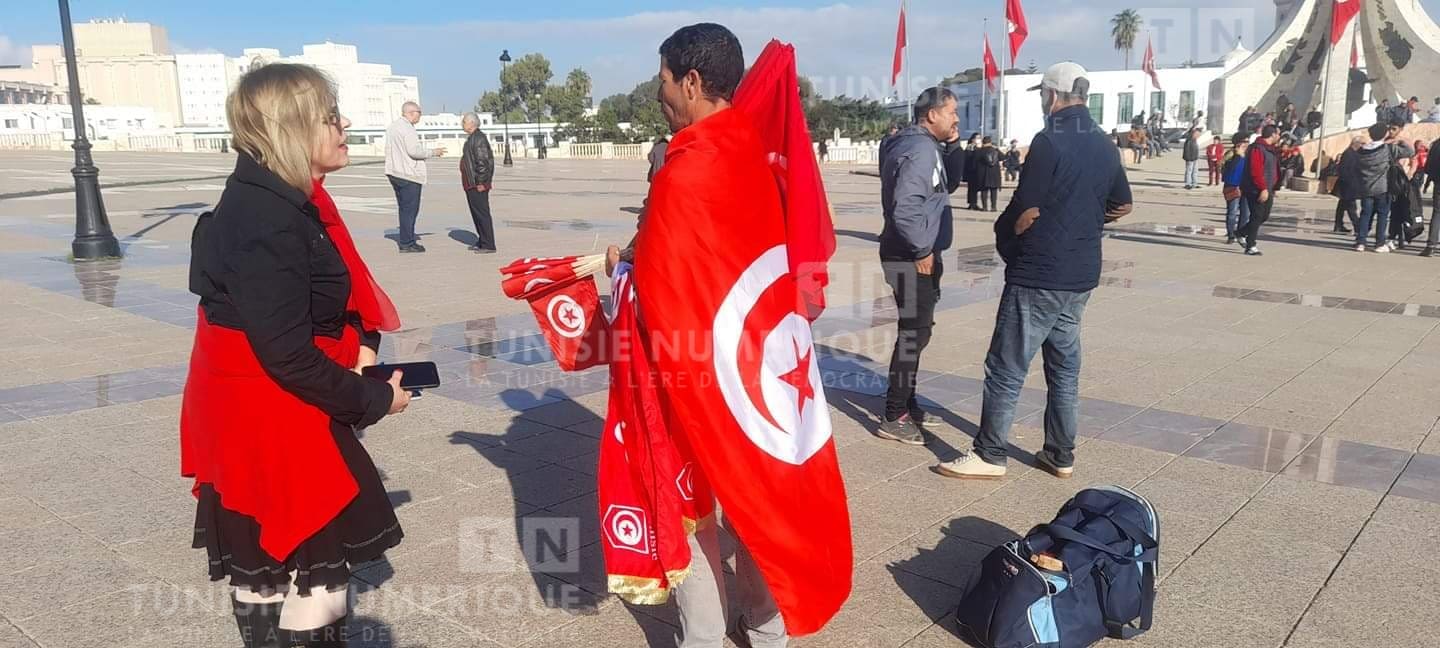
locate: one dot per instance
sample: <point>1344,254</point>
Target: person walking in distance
<point>972,172</point>
<point>1237,210</point>
<point>823,151</point>
<point>1214,156</point>
<point>989,175</point>
<point>1138,143</point>
<point>1432,172</point>
<point>1049,236</point>
<point>477,172</point>
<point>915,197</point>
<point>405,160</point>
<point>1347,188</point>
<point>1013,162</point>
<point>1375,159</point>
<point>1191,156</point>
<point>1258,185</point>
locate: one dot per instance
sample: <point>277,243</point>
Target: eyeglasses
<point>333,118</point>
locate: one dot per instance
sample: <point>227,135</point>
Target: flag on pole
<point>900,43</point>
<point>1148,65</point>
<point>992,71</point>
<point>1340,16</point>
<point>1016,27</point>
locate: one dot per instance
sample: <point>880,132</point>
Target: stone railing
<point>593,151</point>
<point>32,141</point>
<point>155,142</point>
<point>631,151</point>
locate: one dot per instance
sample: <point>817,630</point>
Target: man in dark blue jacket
<point>919,167</point>
<point>1072,184</point>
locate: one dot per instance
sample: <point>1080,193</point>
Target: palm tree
<point>1125,26</point>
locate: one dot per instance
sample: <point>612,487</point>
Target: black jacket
<point>1262,170</point>
<point>477,163</point>
<point>262,264</point>
<point>1192,149</point>
<point>1347,176</point>
<point>987,172</point>
<point>1074,176</point>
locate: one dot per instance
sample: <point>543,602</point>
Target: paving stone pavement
<point>1279,411</point>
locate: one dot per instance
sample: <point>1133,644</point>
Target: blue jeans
<point>407,196</point>
<point>1191,169</point>
<point>1237,214</point>
<point>1374,210</point>
<point>1030,320</point>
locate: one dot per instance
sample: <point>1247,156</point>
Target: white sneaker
<point>1383,249</point>
<point>970,466</point>
<point>1360,248</point>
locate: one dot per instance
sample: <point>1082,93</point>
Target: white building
<point>205,82</point>
<point>1116,98</point>
<point>104,121</point>
<point>370,93</point>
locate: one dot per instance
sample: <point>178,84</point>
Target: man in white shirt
<point>1434,115</point>
<point>405,167</point>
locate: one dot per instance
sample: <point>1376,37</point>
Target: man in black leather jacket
<point>477,171</point>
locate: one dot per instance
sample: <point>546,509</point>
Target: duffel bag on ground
<point>1086,575</point>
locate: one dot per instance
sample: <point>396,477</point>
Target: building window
<point>1157,103</point>
<point>12,123</point>
<point>1097,108</point>
<point>66,122</point>
<point>1187,105</point>
<point>1127,107</point>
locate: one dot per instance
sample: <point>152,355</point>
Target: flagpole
<point>1000,116</point>
<point>984,82</point>
<point>909,91</point>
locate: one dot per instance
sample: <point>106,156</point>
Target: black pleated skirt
<point>361,533</point>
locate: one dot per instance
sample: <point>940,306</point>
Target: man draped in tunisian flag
<point>739,383</point>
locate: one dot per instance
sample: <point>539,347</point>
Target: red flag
<point>1342,12</point>
<point>899,48</point>
<point>741,385</point>
<point>770,95</point>
<point>1016,27</point>
<point>562,295</point>
<point>1148,65</point>
<point>650,499</point>
<point>992,71</point>
<point>1354,53</point>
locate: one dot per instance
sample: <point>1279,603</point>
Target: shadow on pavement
<point>954,560</point>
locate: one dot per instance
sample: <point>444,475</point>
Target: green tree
<point>525,93</point>
<point>1124,27</point>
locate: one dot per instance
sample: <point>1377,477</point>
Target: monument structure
<point>1398,40</point>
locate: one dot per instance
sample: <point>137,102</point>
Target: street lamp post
<point>505,105</point>
<point>93,238</point>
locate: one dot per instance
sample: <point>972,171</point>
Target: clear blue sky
<point>845,47</point>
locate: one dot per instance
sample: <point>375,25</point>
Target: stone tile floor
<point>1279,411</point>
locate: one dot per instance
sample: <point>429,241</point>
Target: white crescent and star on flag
<point>765,363</point>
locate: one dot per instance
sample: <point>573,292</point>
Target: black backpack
<point>1396,182</point>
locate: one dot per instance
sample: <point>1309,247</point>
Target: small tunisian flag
<point>770,95</point>
<point>992,71</point>
<point>562,294</point>
<point>1016,26</point>
<point>899,61</point>
<point>1148,65</point>
<point>1340,16</point>
<point>741,383</point>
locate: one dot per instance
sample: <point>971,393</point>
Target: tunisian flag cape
<point>739,385</point>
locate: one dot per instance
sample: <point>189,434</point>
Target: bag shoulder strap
<point>1147,607</point>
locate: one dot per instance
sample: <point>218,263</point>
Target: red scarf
<point>367,298</point>
<point>268,454</point>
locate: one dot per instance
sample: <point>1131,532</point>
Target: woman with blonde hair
<point>287,498</point>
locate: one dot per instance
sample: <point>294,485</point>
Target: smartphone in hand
<point>416,376</point>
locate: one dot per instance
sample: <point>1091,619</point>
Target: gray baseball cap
<point>1061,77</point>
